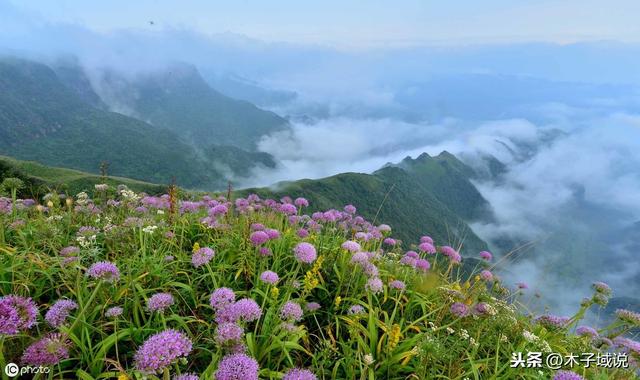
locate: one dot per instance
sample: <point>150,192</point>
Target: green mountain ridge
<point>412,197</point>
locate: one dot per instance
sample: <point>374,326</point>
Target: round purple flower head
<point>305,253</point>
<point>228,333</point>
<point>567,375</point>
<point>202,256</point>
<point>288,209</point>
<point>265,251</point>
<point>26,309</point>
<point>269,277</point>
<point>426,239</point>
<point>485,255</point>
<point>522,285</point>
<point>104,270</point>
<point>427,247</point>
<point>221,298</point>
<point>257,226</point>
<point>299,374</point>
<point>161,350</point>
<point>69,251</point>
<point>356,309</point>
<point>351,246</point>
<point>159,302</point>
<point>486,275</point>
<point>350,209</point>
<point>301,202</point>
<point>586,331</point>
<point>423,265</point>
<point>187,376</point>
<point>360,258</point>
<point>237,367</point>
<point>246,309</point>
<point>9,319</point>
<point>47,351</point>
<point>389,241</point>
<point>258,238</point>
<point>459,309</point>
<point>312,306</point>
<point>552,321</point>
<point>397,284</point>
<point>628,316</point>
<point>272,233</point>
<point>384,228</point>
<point>291,310</point>
<point>374,285</point>
<point>59,312</point>
<point>602,288</point>
<point>113,312</point>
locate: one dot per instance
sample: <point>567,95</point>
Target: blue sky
<point>361,23</point>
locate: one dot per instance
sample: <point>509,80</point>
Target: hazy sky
<point>361,23</point>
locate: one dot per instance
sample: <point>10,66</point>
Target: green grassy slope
<point>39,179</point>
<point>413,202</point>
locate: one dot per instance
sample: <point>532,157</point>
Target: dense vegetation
<point>120,284</point>
<point>45,112</point>
<point>426,194</point>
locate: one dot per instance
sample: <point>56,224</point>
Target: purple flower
<point>259,238</point>
<point>374,285</point>
<point>426,239</point>
<point>312,306</point>
<point>350,209</point>
<point>269,277</point>
<point>245,309</point>
<point>397,284</point>
<point>159,302</point>
<point>257,226</point>
<point>265,251</point>
<point>360,258</point>
<point>486,275</point>
<point>628,345</point>
<point>602,288</point>
<point>113,312</point>
<point>552,321</point>
<point>356,310</point>
<point>302,233</point>
<point>448,251</point>
<point>522,285</point>
<point>305,253</point>
<point>47,351</point>
<point>301,202</point>
<point>161,350</point>
<point>370,269</point>
<point>384,228</point>
<point>628,316</point>
<point>408,260</point>
<point>237,367</point>
<point>273,234</point>
<point>202,256</point>
<point>459,309</point>
<point>299,374</point>
<point>427,247</point>
<point>567,375</point>
<point>291,311</point>
<point>482,308</point>
<point>586,331</point>
<point>59,312</point>
<point>485,255</point>
<point>288,209</point>
<point>218,210</point>
<point>187,376</point>
<point>69,251</point>
<point>104,270</point>
<point>351,245</point>
<point>423,265</point>
<point>228,333</point>
<point>26,309</point>
<point>221,298</point>
<point>9,318</point>
<point>389,241</point>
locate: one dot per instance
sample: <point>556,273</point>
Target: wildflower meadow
<point>110,283</point>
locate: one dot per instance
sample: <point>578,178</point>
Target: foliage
<point>379,313</point>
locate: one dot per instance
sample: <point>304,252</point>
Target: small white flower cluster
<point>54,218</point>
<point>368,359</point>
<point>86,241</point>
<point>129,195</point>
<point>101,187</point>
<point>464,334</point>
<point>149,229</point>
<point>532,338</point>
<point>82,198</point>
